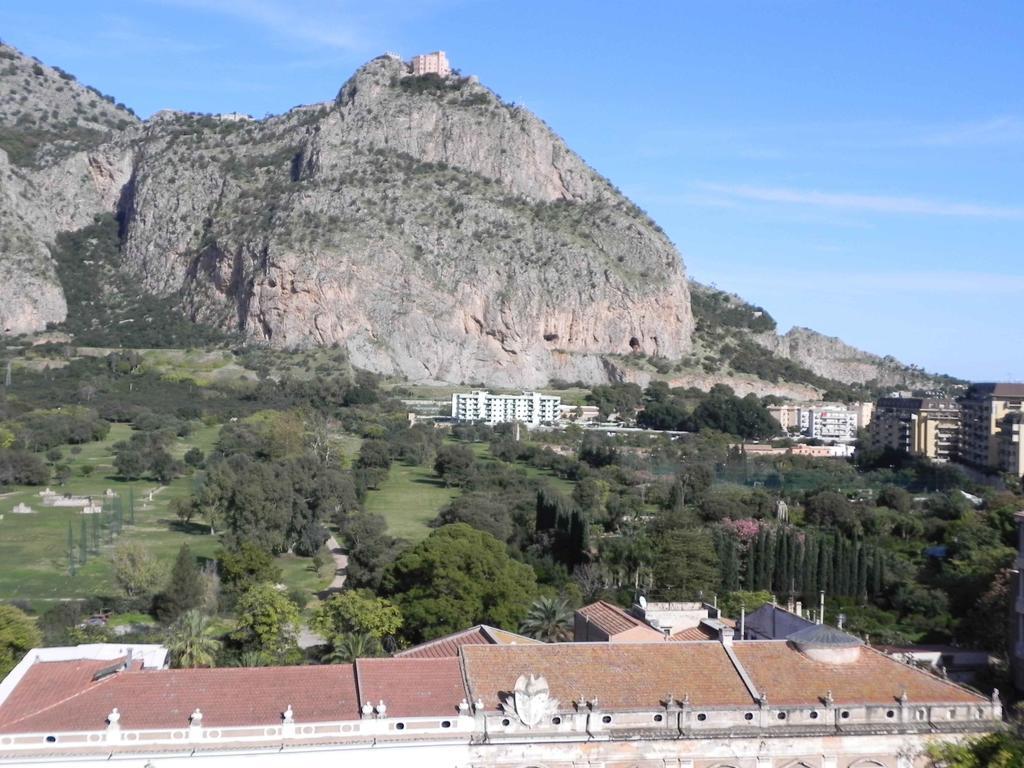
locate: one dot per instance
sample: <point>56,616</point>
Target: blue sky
<point>854,167</point>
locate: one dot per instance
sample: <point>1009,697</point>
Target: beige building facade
<point>435,63</point>
<point>991,427</point>
<point>920,426</point>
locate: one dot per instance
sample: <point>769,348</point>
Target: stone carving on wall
<point>530,701</point>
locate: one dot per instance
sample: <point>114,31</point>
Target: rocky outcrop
<point>63,159</point>
<point>433,231</point>
<point>834,359</point>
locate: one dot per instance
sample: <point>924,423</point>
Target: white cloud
<point>869,203</point>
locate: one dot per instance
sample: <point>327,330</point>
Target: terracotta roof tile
<point>619,675</point>
<point>166,698</point>
<point>700,632</point>
<point>447,646</point>
<point>610,619</point>
<point>47,684</point>
<point>412,687</point>
<point>787,676</point>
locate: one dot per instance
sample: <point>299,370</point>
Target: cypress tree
<point>71,550</point>
<point>876,573</point>
<point>83,543</point>
<point>862,572</point>
<point>809,569</point>
<point>751,570</point>
<point>184,588</point>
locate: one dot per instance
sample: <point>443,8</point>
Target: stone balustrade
<point>583,723</point>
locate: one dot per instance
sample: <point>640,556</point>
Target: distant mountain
<point>430,229</point>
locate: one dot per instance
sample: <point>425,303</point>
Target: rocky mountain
<point>430,229</point>
<point>57,170</point>
<point>733,336</point>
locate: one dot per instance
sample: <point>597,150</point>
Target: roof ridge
<point>442,638</point>
<point>93,685</point>
<point>742,672</point>
<point>359,684</point>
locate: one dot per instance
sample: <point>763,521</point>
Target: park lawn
<point>33,548</point>
<point>565,487</point>
<point>409,498</point>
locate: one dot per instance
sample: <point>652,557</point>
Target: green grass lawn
<point>409,498</point>
<point>33,548</point>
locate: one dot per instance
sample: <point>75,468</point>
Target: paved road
<point>340,564</point>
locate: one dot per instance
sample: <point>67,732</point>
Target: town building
<point>435,63</point>
<point>819,700</point>
<point>920,426</point>
<point>829,422</point>
<point>531,408</point>
<point>990,427</point>
<point>835,422</point>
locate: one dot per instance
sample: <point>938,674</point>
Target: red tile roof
<point>47,684</point>
<point>700,632</point>
<point>448,646</point>
<point>611,619</point>
<point>65,696</point>
<point>619,675</point>
<point>787,676</point>
<point>166,698</point>
<point>412,687</point>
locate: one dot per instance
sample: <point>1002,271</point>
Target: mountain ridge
<point>435,232</point>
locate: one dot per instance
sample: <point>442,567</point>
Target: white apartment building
<point>533,408</point>
<point>827,422</point>
<point>837,422</point>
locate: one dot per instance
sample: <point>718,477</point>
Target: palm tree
<point>549,619</point>
<point>355,645</point>
<point>192,642</point>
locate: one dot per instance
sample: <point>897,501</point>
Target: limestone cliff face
<point>63,159</point>
<point>835,359</point>
<point>433,231</point>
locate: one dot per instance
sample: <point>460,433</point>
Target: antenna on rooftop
<point>643,602</point>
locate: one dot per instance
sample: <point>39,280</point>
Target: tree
<point>457,577</point>
<point>356,611</point>
<point>267,622</point>
<point>185,589</point>
<point>129,462</point>
<point>369,547</point>
<point>548,619</point>
<point>18,635</point>
<point>894,497</point>
<point>454,463</point>
<point>358,645</point>
<point>248,565</point>
<point>194,457</point>
<point>829,508</point>
<point>192,642</point>
<point>135,569</point>
<point>1002,749</point>
<point>483,511</point>
<point>685,564</point>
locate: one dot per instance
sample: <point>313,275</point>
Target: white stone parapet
<point>580,723</point>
